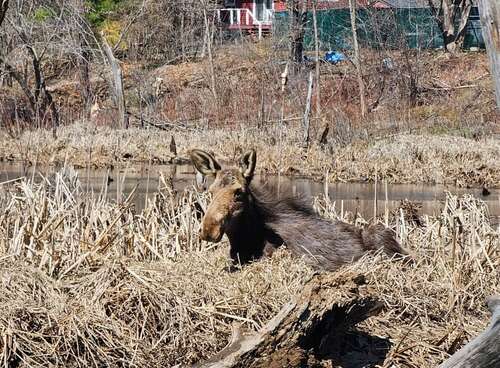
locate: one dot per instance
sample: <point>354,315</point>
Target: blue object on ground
<point>388,63</point>
<point>334,57</point>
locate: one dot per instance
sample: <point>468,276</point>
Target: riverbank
<point>399,158</point>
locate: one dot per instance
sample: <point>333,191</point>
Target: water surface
<point>117,185</point>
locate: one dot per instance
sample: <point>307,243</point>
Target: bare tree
<point>169,30</point>
<point>208,38</point>
<point>116,83</point>
<point>306,120</point>
<point>82,37</point>
<point>451,16</point>
<point>31,43</point>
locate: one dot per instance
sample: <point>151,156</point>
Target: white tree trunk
<point>307,111</point>
<point>208,38</point>
<point>489,10</point>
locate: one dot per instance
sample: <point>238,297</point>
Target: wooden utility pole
<point>489,11</point>
<point>357,62</point>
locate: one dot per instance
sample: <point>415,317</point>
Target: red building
<point>257,15</point>
<point>248,15</point>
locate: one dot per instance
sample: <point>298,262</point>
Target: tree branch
<point>4,5</point>
<point>20,80</point>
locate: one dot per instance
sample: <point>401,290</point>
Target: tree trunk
<point>117,83</point>
<point>316,51</point>
<point>462,26</point>
<point>310,327</point>
<point>448,26</point>
<point>4,5</point>
<point>42,97</point>
<point>53,111</point>
<point>85,87</point>
<point>357,61</point>
<point>298,20</point>
<point>489,11</point>
<point>307,112</point>
<point>484,350</point>
<point>208,33</point>
<point>83,60</point>
<point>446,16</point>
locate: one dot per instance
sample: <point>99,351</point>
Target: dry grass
<point>403,158</point>
<point>90,283</point>
<point>85,282</point>
<point>436,306</point>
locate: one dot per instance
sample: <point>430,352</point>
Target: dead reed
<point>87,282</point>
<point>438,304</point>
<point>402,158</point>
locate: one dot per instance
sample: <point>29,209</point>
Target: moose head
<point>230,190</point>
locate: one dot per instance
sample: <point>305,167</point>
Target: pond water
<point>352,197</point>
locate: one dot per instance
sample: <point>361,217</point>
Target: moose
<point>255,221</point>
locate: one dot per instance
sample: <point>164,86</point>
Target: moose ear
<point>204,162</point>
<point>247,164</point>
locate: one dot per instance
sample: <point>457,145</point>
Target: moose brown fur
<point>253,219</point>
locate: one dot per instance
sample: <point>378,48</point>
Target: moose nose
<point>211,234</point>
<point>212,226</point>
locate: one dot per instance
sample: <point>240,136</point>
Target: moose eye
<point>239,195</point>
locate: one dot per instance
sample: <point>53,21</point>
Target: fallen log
<point>307,331</point>
<point>484,350</point>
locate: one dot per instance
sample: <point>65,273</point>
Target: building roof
<point>401,4</point>
<point>406,3</point>
<point>344,4</point>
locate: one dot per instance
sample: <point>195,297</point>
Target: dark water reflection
<point>349,196</point>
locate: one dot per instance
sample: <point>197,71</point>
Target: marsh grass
<point>88,282</point>
<point>438,304</point>
<point>401,158</point>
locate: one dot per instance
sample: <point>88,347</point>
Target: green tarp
<point>380,28</point>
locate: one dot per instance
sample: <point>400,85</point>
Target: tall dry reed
<point>88,282</point>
